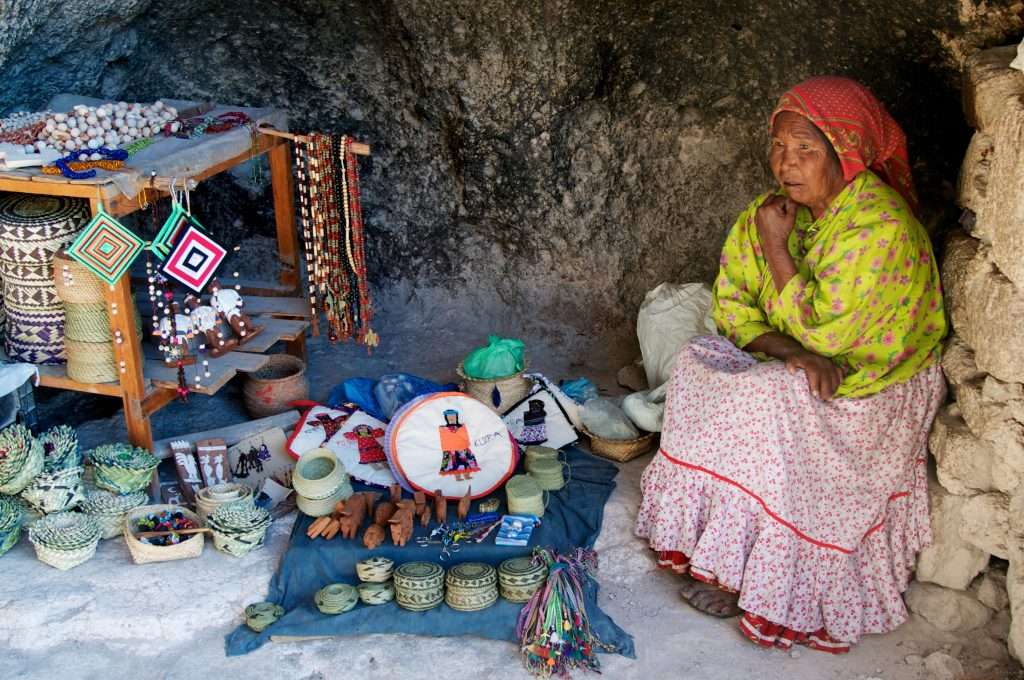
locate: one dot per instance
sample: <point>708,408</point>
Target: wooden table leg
<point>280,158</point>
<point>297,347</point>
<point>121,310</point>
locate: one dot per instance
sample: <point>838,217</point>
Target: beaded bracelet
<point>67,171</point>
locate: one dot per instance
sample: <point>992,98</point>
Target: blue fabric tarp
<point>573,518</point>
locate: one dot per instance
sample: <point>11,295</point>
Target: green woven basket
<point>122,468</point>
<point>10,523</point>
<point>55,491</point>
<point>9,538</point>
<point>122,480</point>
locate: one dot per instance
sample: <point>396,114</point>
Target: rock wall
<point>543,162</point>
<point>978,441</point>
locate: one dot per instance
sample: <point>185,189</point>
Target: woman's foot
<point>709,599</point>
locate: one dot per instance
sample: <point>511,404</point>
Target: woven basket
<point>209,498</point>
<point>87,322</point>
<point>499,394</point>
<point>9,538</point>
<point>271,389</point>
<point>32,466</point>
<point>75,283</point>
<point>65,559</point>
<point>144,553</point>
<point>471,586</point>
<point>376,593</point>
<point>91,362</point>
<point>336,598</point>
<point>375,569</point>
<point>122,480</point>
<point>620,450</point>
<point>55,491</point>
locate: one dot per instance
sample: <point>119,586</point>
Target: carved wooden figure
<point>396,492</point>
<point>401,523</point>
<point>352,518</point>
<point>425,515</point>
<point>383,512</point>
<point>205,322</point>
<point>440,507</point>
<point>420,499</point>
<point>463,509</point>
<point>228,304</point>
<point>373,536</point>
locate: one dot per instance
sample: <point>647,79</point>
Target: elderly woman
<point>791,485</point>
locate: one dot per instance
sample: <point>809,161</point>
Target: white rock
<point>60,117</point>
<point>963,461</point>
<point>975,287</point>
<point>991,649</point>
<point>990,85</point>
<point>949,561</point>
<point>50,126</point>
<point>986,523</point>
<point>941,666</point>
<point>75,132</point>
<point>991,589</point>
<point>92,119</point>
<point>94,143</point>
<point>972,185</point>
<point>95,157</point>
<point>157,105</point>
<point>946,609</point>
<point>105,124</point>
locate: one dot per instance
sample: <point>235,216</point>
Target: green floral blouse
<point>866,293</point>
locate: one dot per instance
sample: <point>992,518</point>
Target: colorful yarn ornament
<point>553,627</point>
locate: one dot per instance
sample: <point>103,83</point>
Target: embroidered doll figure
<point>457,458</point>
<point>330,425</point>
<point>228,304</point>
<point>535,430</point>
<point>370,451</point>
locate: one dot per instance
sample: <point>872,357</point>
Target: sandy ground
<point>110,618</point>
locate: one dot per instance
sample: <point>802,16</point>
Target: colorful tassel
<point>553,628</point>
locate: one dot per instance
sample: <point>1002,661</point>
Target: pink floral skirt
<point>812,511</point>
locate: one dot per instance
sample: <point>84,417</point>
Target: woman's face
<point>803,162</point>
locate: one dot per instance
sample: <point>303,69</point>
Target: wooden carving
<point>352,518</point>
<point>396,492</point>
<point>373,536</point>
<point>440,507</point>
<point>401,523</point>
<point>425,515</point>
<point>420,499</point>
<point>463,509</point>
<point>383,513</point>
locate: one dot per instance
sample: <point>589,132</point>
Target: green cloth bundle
<point>501,358</point>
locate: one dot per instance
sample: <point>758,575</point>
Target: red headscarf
<point>861,131</point>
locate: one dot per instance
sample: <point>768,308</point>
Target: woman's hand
<point>823,376</point>
<point>775,219</point>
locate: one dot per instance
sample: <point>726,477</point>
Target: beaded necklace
<point>331,213</point>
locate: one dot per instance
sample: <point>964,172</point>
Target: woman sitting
<point>791,485</point>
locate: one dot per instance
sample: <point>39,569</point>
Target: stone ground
<point>110,617</point>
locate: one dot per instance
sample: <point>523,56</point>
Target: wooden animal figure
<point>352,517</point>
<point>228,304</point>
<point>420,499</point>
<point>462,511</point>
<point>440,507</point>
<point>396,492</point>
<point>373,536</point>
<point>189,480</point>
<point>383,512</point>
<point>425,515</point>
<point>204,321</point>
<point>401,524</point>
<point>326,527</point>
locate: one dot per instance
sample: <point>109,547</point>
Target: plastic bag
<point>395,390</point>
<point>502,357</point>
<point>358,391</point>
<point>647,409</point>
<point>669,317</point>
<point>580,390</point>
<point>607,420</point>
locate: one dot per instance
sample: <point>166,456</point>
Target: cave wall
<point>542,163</point>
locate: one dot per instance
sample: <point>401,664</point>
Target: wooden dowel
<point>358,148</point>
<point>154,534</point>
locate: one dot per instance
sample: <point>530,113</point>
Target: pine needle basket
<point>144,553</point>
<point>498,394</point>
<point>271,389</point>
<point>620,450</point>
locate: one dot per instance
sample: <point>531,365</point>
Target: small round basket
<point>108,509</point>
<point>499,394</point>
<point>318,474</point>
<point>209,498</point>
<point>271,389</point>
<point>336,598</point>
<point>144,553</point>
<point>376,593</point>
<point>375,569</point>
<point>55,491</point>
<point>621,450</point>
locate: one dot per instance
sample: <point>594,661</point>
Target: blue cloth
<point>579,390</point>
<point>382,398</point>
<point>573,518</point>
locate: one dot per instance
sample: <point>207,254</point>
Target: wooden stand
<point>146,386</point>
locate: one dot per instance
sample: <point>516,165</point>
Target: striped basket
<point>32,230</point>
<point>54,491</point>
<point>471,586</point>
<point>419,586</point>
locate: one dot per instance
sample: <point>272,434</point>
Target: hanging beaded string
<point>201,125</point>
<point>357,248</point>
<point>306,217</point>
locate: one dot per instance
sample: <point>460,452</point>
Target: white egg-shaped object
<point>60,117</point>
<point>95,143</point>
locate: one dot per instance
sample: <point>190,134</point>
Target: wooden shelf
<point>57,376</point>
<point>255,305</point>
<point>222,369</point>
<point>274,331</point>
